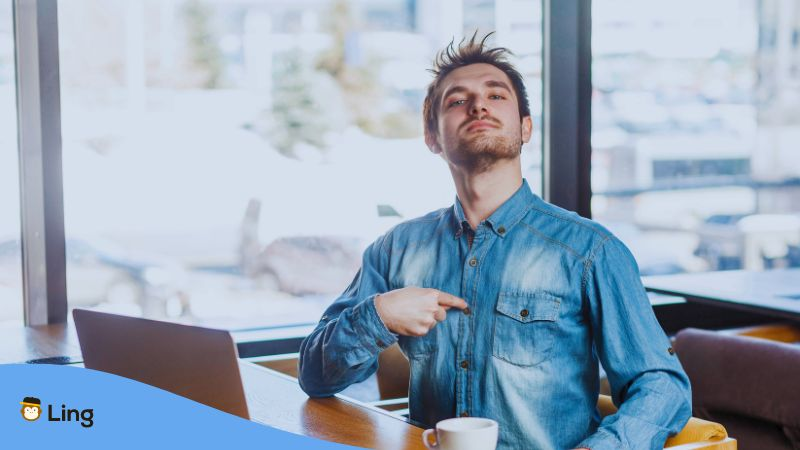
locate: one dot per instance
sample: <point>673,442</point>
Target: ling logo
<point>31,408</point>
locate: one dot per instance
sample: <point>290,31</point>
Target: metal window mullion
<point>39,132</point>
<point>567,95</point>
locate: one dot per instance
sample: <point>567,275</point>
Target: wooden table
<point>273,398</point>
<point>276,400</point>
<point>775,292</point>
<point>57,344</point>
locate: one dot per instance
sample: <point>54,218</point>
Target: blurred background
<point>226,162</point>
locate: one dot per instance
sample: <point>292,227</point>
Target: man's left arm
<point>646,378</point>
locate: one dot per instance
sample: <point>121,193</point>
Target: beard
<point>480,151</point>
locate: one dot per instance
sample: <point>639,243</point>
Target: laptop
<point>198,363</point>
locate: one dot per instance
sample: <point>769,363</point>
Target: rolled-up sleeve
<point>343,348</point>
<point>647,381</point>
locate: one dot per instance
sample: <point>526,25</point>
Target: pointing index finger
<point>446,299</point>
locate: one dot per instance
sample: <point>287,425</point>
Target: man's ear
<point>527,128</point>
<point>432,142</point>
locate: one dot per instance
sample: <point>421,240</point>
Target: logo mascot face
<point>31,408</point>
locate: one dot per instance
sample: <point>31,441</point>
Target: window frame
<point>39,145</point>
<point>567,76</point>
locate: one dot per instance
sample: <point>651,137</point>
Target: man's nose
<point>478,107</point>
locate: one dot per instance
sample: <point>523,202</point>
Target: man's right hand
<point>413,311</point>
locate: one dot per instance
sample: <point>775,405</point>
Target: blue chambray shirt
<point>550,294</point>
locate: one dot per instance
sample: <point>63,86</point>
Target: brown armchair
<point>750,385</point>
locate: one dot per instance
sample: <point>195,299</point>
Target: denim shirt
<point>550,295</point>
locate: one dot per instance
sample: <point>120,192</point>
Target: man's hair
<point>469,52</point>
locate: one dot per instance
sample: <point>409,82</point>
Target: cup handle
<point>425,440</point>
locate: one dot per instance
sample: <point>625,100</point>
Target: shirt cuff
<point>374,334</point>
<point>601,440</point>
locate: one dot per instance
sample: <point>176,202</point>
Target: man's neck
<point>481,194</point>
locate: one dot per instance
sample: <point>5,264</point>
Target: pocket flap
<point>529,307</point>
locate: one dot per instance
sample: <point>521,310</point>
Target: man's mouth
<point>476,125</point>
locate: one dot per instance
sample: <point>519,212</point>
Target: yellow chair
<point>779,332</point>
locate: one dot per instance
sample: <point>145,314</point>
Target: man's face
<point>479,121</point>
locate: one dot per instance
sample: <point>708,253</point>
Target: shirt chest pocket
<point>525,327</point>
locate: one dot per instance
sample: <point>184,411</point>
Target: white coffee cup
<point>463,433</point>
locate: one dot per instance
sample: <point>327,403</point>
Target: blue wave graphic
<point>125,414</point>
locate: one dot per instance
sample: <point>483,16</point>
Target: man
<point>503,303</point>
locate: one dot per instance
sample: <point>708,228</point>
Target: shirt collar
<point>503,218</point>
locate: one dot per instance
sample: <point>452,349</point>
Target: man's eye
<point>496,97</point>
<point>456,102</point>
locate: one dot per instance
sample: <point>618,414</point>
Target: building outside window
<point>696,132</point>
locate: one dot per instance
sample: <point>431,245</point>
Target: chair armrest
<point>698,430</point>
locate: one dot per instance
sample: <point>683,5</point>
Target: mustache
<point>489,119</point>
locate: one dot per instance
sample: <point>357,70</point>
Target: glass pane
<point>10,253</point>
<point>227,162</point>
<point>695,132</point>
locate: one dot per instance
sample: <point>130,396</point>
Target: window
<point>228,162</point>
<point>10,253</point>
<point>695,132</point>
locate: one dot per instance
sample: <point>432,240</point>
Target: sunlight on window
<point>228,162</point>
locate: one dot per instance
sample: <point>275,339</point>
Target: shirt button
<point>671,351</point>
<point>467,311</point>
<point>501,230</point>
<point>465,364</point>
<point>464,414</point>
<point>524,313</point>
<point>473,262</point>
